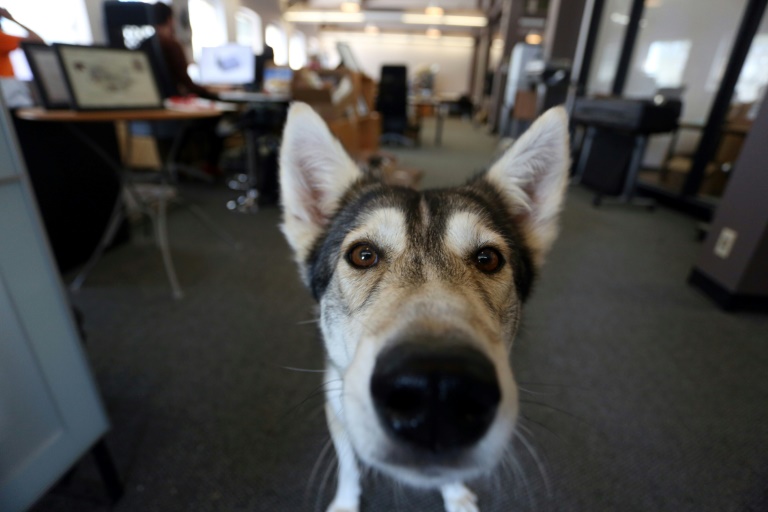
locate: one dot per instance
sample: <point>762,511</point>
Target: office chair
<point>392,104</point>
<point>141,197</point>
<point>117,16</point>
<point>262,126</point>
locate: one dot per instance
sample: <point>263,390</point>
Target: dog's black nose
<point>436,398</point>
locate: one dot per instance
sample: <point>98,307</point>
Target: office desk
<point>439,105</point>
<point>144,198</point>
<point>252,97</point>
<point>75,116</point>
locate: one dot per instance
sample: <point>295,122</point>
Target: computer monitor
<point>231,64</point>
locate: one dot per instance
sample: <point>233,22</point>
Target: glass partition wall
<point>687,49</point>
<point>681,51</point>
<point>745,102</point>
<point>610,38</point>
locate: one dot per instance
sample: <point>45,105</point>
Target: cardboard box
<point>385,166</point>
<point>137,151</point>
<point>369,129</point>
<point>345,100</point>
<point>330,92</point>
<point>403,177</point>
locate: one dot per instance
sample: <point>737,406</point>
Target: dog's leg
<point>458,498</point>
<point>348,490</point>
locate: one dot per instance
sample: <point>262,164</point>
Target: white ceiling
<point>398,4</point>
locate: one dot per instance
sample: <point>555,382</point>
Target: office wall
<point>452,54</point>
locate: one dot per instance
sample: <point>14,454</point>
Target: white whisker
<point>517,470</point>
<point>316,467</point>
<point>539,463</point>
<point>301,369</point>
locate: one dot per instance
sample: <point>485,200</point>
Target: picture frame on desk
<point>102,78</point>
<point>49,79</point>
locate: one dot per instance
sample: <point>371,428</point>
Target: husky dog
<point>419,296</point>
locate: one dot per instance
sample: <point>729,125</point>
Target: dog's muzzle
<point>435,398</point>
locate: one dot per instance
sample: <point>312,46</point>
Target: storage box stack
<point>345,100</point>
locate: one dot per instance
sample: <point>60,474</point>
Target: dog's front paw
<point>338,506</point>
<point>458,498</point>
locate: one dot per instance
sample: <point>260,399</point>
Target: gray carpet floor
<point>639,394</point>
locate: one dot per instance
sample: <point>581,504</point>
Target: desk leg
<point>161,232</point>
<point>115,220</point>
<point>108,471</point>
<point>628,194</point>
<point>635,164</point>
<point>439,125</point>
<point>171,165</point>
<point>586,147</point>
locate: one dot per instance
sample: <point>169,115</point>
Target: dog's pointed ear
<point>532,176</point>
<point>315,171</point>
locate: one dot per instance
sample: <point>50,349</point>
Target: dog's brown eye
<point>488,260</point>
<point>363,256</point>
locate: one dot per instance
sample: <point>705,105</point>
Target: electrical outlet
<point>725,242</point>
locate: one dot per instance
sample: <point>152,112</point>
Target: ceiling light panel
<point>298,15</point>
<point>323,4</point>
<point>448,19</point>
<point>350,7</point>
<point>420,4</point>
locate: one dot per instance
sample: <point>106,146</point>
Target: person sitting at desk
<point>8,43</point>
<point>174,56</point>
<point>200,137</point>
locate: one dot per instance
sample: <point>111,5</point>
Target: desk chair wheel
<point>246,203</point>
<point>240,181</point>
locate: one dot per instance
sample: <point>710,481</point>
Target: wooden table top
<point>728,128</point>
<point>74,116</point>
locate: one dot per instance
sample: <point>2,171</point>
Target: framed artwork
<point>48,76</point>
<point>100,78</point>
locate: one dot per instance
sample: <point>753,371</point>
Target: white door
<point>50,413</point>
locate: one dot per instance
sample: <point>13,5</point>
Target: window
<point>275,37</point>
<point>65,21</point>
<point>297,50</point>
<point>208,28</point>
<point>753,79</point>
<point>665,62</point>
<point>248,25</point>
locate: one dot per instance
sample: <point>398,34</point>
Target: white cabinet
<point>50,412</point>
